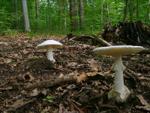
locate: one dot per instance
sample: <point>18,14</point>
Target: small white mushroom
<point>119,91</point>
<point>50,45</point>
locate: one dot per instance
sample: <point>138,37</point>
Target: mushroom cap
<point>50,44</point>
<point>118,50</point>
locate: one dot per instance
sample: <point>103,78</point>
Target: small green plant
<point>10,32</point>
<point>48,99</point>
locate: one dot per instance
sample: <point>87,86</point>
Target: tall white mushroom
<point>119,91</point>
<point>50,45</point>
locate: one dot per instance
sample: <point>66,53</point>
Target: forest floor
<point>77,83</point>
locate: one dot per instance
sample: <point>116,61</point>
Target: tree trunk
<point>36,9</point>
<point>25,15</point>
<point>105,12</point>
<point>102,14</point>
<point>130,9</point>
<point>81,14</point>
<point>148,12</point>
<point>125,10</point>
<point>37,14</point>
<point>137,9</point>
<point>73,15</point>
<point>62,14</point>
<point>48,18</point>
<point>16,13</point>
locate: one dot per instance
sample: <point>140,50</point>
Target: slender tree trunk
<point>148,12</point>
<point>73,15</point>
<point>131,9</point>
<point>105,12</point>
<point>16,13</point>
<point>37,13</point>
<point>61,14</point>
<point>137,9</point>
<point>36,9</point>
<point>65,13</point>
<point>48,23</point>
<point>25,15</point>
<point>81,14</point>
<point>102,14</point>
<point>125,10</point>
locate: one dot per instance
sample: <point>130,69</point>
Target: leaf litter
<point>77,83</point>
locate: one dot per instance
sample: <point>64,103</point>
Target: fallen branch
<point>104,41</point>
<point>6,89</point>
<point>19,104</point>
<point>96,40</point>
<point>144,108</point>
<point>60,81</point>
<point>51,83</point>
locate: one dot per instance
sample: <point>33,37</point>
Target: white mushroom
<point>50,45</point>
<point>119,91</point>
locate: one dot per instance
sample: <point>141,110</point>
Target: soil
<point>78,82</point>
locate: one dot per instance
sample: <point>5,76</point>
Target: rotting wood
<point>134,33</point>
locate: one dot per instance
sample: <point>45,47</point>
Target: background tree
<point>37,6</point>
<point>81,14</point>
<point>25,15</point>
<point>64,16</point>
<point>73,6</point>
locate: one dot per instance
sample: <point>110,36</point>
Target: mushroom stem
<point>50,55</point>
<point>119,91</point>
<point>118,67</point>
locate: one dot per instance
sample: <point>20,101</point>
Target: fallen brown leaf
<point>81,77</point>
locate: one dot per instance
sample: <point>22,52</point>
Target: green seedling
<point>49,99</point>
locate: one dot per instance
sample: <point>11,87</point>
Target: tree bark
<point>130,4</point>
<point>25,15</point>
<point>36,9</point>
<point>148,12</point>
<point>137,9</point>
<point>16,13</point>
<point>37,13</point>
<point>81,14</point>
<point>48,18</point>
<point>102,14</point>
<point>125,10</point>
<point>73,15</point>
<point>105,12</point>
<point>62,14</point>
